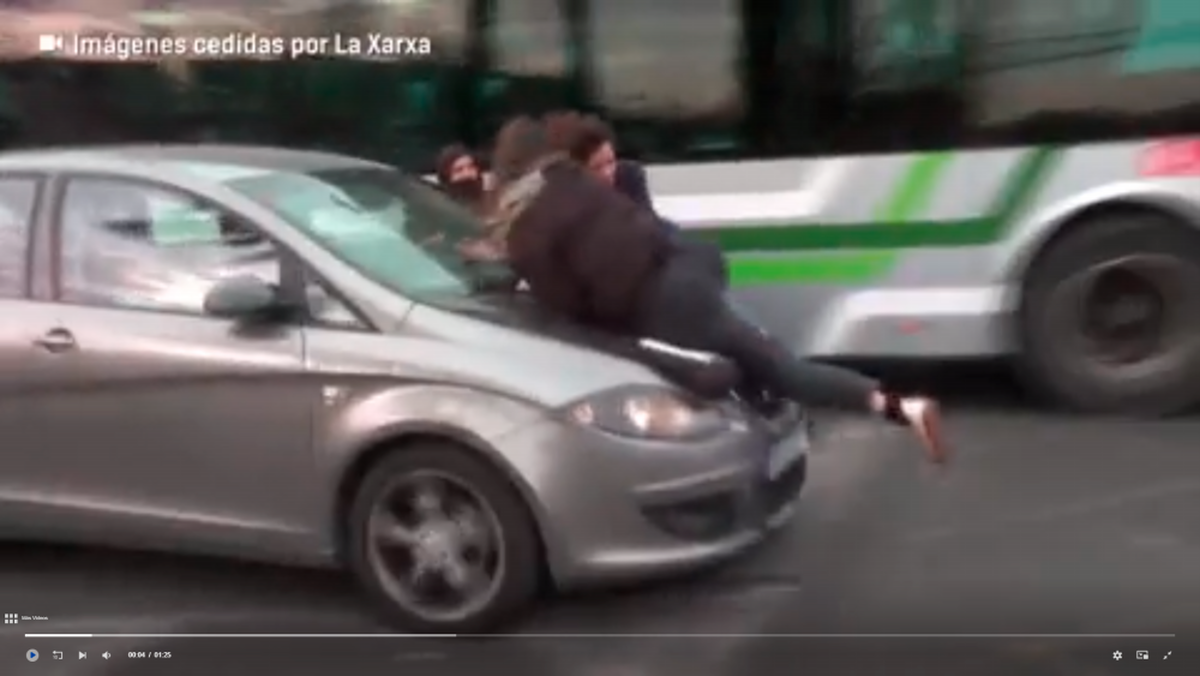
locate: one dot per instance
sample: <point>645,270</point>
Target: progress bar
<point>160,636</point>
<point>617,636</point>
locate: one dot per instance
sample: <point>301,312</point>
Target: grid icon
<point>11,618</point>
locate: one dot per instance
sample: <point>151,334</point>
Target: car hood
<point>505,342</point>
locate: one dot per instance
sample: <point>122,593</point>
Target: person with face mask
<point>459,175</point>
<point>592,255</point>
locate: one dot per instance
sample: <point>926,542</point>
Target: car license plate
<point>787,452</point>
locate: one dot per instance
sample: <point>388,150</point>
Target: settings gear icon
<point>1117,655</point>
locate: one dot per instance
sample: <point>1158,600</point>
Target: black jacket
<point>587,251</point>
<point>630,180</point>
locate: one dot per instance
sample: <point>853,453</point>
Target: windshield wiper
<point>346,203</point>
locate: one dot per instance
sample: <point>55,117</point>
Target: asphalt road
<point>1051,528</point>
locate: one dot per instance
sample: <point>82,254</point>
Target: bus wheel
<point>1110,317</point>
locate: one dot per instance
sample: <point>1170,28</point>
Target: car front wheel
<point>441,541</point>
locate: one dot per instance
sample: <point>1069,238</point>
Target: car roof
<point>212,161</point>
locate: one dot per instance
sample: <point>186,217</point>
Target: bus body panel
<point>902,256</point>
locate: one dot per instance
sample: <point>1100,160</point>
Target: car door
<point>165,425</point>
<point>23,362</point>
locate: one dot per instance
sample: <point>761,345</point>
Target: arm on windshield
<point>495,277</point>
<point>490,263</point>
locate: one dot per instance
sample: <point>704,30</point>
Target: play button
<point>31,655</point>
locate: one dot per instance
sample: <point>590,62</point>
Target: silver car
<point>281,355</point>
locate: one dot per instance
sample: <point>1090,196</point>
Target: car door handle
<point>56,340</point>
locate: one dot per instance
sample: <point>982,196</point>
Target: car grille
<point>780,415</point>
<point>708,518</point>
<point>784,418</point>
<point>777,494</point>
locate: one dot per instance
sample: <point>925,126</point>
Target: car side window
<point>132,245</point>
<point>17,198</point>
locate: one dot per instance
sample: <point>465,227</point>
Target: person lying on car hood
<point>592,255</point>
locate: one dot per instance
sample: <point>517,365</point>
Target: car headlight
<point>650,412</point>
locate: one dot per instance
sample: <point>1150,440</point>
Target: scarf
<point>511,200</point>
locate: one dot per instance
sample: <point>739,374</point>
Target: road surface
<point>1049,528</point>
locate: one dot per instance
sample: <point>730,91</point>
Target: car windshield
<point>394,229</point>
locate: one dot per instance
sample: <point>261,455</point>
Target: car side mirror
<point>244,298</point>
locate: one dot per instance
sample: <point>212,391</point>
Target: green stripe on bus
<point>834,267</point>
<point>916,233</point>
<point>912,196</point>
<point>857,253</point>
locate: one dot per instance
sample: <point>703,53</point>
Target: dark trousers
<point>706,256</point>
<point>687,307</point>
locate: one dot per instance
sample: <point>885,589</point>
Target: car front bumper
<point>613,509</point>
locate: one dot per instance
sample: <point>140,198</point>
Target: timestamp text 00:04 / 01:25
<point>149,654</point>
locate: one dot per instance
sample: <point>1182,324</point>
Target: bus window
<point>232,99</point>
<point>530,70</point>
<point>1062,72</point>
<point>905,82</point>
<point>50,102</point>
<point>397,109</point>
<point>9,115</point>
<point>667,76</point>
<point>1168,37</point>
<point>814,76</point>
<point>905,43</point>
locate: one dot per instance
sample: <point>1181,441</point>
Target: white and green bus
<point>892,179</point>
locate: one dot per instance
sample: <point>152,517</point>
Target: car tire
<point>1053,357</point>
<point>516,586</point>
